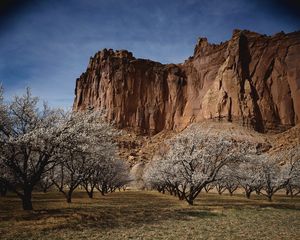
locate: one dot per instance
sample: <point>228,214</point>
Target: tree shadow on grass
<point>128,219</point>
<point>280,206</point>
<point>132,210</point>
<point>240,202</point>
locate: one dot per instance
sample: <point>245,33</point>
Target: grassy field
<point>150,215</point>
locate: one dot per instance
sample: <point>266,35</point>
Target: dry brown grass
<point>150,215</point>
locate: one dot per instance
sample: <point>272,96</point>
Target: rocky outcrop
<point>252,79</point>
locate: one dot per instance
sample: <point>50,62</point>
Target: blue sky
<point>46,44</point>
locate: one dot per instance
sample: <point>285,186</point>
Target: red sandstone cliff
<point>251,79</point>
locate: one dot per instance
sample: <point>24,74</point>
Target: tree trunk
<point>288,190</point>
<point>181,196</point>
<point>248,194</point>
<point>91,194</point>
<point>69,196</point>
<point>3,191</point>
<point>269,197</point>
<point>26,199</point>
<point>190,201</point>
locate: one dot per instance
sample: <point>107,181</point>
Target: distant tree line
<point>197,160</point>
<point>45,148</point>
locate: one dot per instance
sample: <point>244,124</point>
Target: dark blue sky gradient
<point>47,44</point>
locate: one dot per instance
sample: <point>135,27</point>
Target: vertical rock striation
<point>251,79</point>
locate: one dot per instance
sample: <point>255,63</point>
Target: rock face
<point>252,79</point>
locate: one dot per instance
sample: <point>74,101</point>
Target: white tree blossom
<point>273,177</point>
<point>248,174</point>
<point>113,173</point>
<point>227,179</point>
<point>291,159</point>
<point>27,144</point>
<point>193,160</point>
<point>87,142</point>
<point>38,145</point>
<point>288,169</point>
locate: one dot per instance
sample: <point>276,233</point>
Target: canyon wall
<point>252,79</point>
